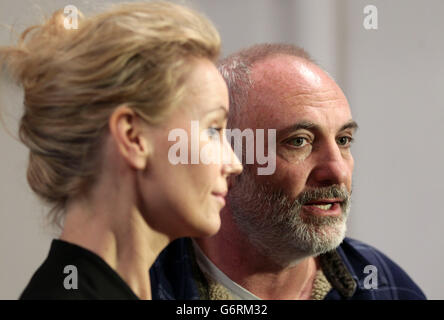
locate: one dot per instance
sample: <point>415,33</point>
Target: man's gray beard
<point>273,223</point>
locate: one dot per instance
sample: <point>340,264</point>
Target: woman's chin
<point>210,228</point>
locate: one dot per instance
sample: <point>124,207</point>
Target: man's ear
<point>126,129</point>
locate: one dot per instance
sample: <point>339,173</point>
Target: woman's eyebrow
<point>218,109</point>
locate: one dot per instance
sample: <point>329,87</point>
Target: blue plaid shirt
<point>173,276</point>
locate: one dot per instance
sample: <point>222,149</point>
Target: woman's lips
<point>220,196</point>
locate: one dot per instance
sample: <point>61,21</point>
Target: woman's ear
<point>130,136</point>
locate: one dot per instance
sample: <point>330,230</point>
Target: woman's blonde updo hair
<point>135,54</point>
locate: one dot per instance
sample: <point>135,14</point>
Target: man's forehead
<point>286,87</point>
<point>286,70</point>
<point>284,76</point>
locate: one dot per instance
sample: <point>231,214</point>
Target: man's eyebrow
<point>350,125</point>
<point>308,125</point>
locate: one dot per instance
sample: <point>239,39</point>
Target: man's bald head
<point>237,68</point>
<point>281,80</point>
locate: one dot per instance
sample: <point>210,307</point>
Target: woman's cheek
<point>211,151</point>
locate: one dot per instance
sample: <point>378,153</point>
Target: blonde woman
<point>100,104</point>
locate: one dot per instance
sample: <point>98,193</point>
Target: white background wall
<point>392,76</point>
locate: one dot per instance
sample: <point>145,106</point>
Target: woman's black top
<point>71,272</point>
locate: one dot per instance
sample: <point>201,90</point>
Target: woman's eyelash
<point>214,130</point>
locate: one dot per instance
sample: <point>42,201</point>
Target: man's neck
<point>234,255</point>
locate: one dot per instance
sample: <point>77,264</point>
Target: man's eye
<point>298,142</point>
<point>345,141</point>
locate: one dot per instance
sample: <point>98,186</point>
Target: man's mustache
<point>331,192</point>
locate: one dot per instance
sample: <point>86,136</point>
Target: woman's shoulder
<point>71,273</point>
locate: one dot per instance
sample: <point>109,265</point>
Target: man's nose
<point>330,168</point>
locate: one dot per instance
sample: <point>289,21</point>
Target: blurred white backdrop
<point>393,77</point>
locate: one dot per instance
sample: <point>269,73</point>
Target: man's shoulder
<point>376,274</point>
<point>172,274</point>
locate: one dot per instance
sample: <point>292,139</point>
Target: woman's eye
<point>345,141</point>
<point>214,131</point>
<point>298,142</point>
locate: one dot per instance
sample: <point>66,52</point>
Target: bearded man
<point>282,235</point>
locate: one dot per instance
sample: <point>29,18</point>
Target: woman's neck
<point>119,234</point>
